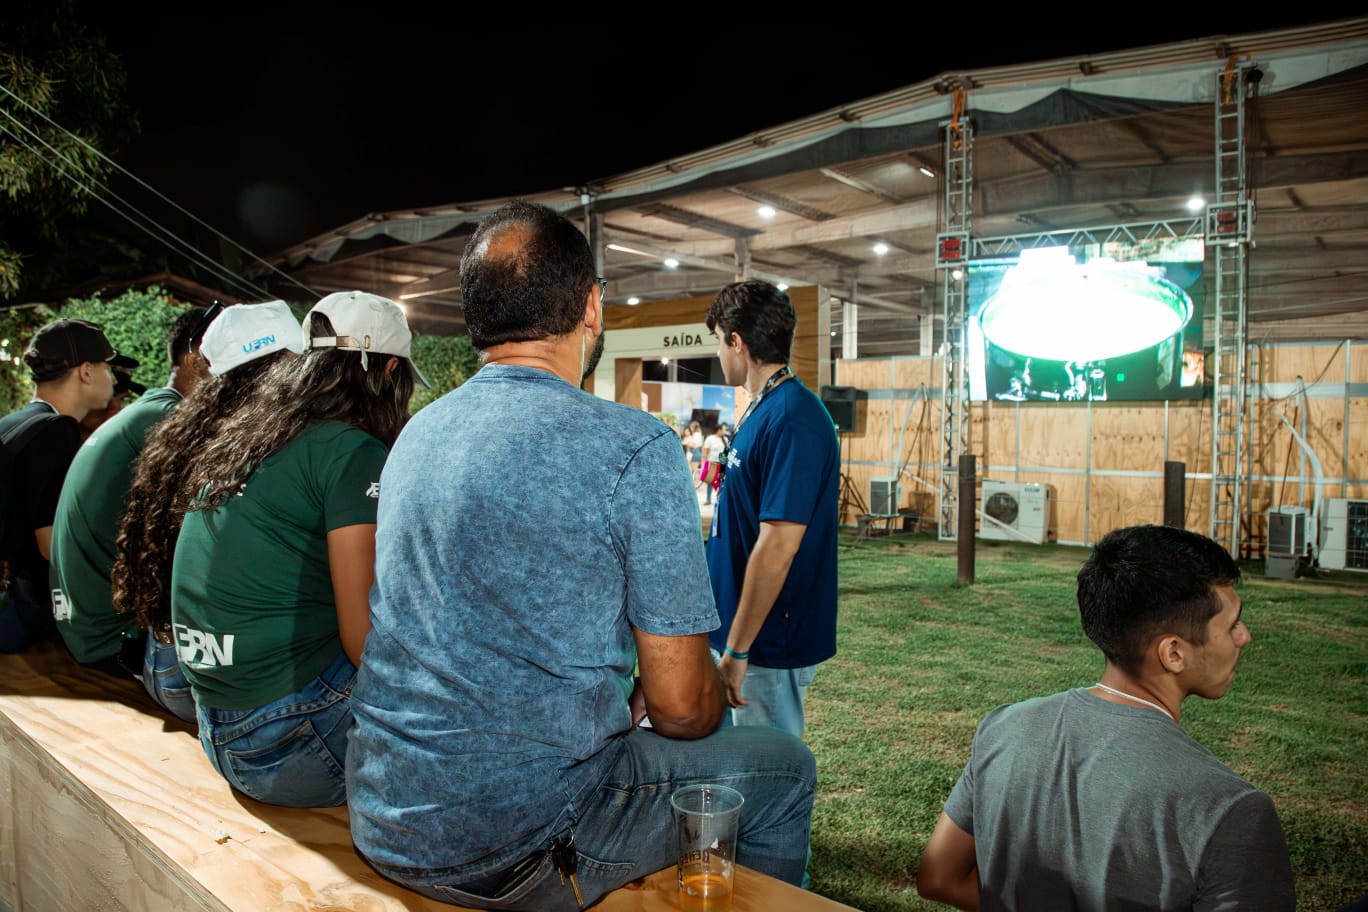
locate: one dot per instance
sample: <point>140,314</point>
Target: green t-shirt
<point>251,592</point>
<point>89,512</point>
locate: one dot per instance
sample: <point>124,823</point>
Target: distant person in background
<point>693,445</point>
<point>772,544</point>
<point>72,364</point>
<point>1095,798</point>
<point>275,558</point>
<point>713,445</point>
<point>241,345</point>
<point>94,498</point>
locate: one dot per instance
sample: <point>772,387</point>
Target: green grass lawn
<point>921,659</point>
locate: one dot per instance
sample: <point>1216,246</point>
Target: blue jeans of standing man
<point>775,696</point>
<point>624,827</point>
<point>165,682</point>
<point>293,750</point>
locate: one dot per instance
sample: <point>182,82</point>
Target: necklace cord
<point>1121,693</point>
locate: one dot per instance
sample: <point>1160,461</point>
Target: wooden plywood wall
<point>1105,460</point>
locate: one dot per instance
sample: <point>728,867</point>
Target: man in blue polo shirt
<point>772,545</point>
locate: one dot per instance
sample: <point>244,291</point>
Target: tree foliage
<point>446,361</point>
<point>136,323</point>
<point>62,104</point>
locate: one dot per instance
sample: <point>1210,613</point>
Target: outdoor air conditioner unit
<point>1024,508</point>
<point>1344,534</point>
<point>1287,545</point>
<point>883,497</point>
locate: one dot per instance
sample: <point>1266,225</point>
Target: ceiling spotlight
<point>634,300</point>
<point>925,170</point>
<point>664,360</point>
<point>881,248</point>
<point>957,274</point>
<point>766,211</point>
<point>783,286</point>
<point>672,263</point>
<point>833,332</point>
<point>1195,204</point>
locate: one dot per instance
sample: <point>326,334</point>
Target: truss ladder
<point>1229,229</point>
<point>952,252</point>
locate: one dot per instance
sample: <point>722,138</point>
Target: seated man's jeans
<point>292,751</point>
<point>164,681</point>
<point>624,827</point>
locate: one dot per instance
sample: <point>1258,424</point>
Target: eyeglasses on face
<point>602,283</point>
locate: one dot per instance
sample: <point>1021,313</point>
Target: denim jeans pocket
<point>505,896</point>
<point>541,888</point>
<point>165,682</point>
<point>298,770</point>
<point>291,751</point>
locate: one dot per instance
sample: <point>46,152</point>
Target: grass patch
<point>922,659</point>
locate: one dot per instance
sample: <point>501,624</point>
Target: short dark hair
<point>1145,581</point>
<point>185,334</point>
<point>535,290</point>
<point>761,313</point>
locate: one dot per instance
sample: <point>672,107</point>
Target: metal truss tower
<point>1229,232</point>
<point>952,252</point>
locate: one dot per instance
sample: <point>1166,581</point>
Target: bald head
<point>525,276</point>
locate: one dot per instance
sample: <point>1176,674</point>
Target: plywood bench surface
<point>112,805</point>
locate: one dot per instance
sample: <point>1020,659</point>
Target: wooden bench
<point>106,803</point>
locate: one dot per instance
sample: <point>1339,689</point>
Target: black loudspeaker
<point>840,404</point>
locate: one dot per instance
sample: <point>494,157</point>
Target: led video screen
<point>1105,322</point>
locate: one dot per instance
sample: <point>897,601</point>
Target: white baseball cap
<point>245,332</point>
<point>366,323</point>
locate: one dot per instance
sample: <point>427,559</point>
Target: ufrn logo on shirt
<point>203,650</point>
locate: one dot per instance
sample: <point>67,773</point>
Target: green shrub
<point>135,322</point>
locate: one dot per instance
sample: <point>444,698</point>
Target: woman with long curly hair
<point>241,344</point>
<point>275,559</point>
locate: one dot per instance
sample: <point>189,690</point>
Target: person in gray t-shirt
<point>1095,799</point>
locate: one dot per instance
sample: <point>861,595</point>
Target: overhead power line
<point>168,236</point>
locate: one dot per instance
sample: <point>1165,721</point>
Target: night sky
<point>275,124</point>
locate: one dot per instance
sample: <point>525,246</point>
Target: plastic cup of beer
<point>705,835</point>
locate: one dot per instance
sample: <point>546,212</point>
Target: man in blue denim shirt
<point>535,545</point>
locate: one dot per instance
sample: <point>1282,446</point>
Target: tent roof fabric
<point>1108,139</point>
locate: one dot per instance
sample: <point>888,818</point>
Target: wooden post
<point>968,512</point>
<point>1175,499</point>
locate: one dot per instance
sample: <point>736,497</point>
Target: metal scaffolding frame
<point>952,244</point>
<point>1226,228</point>
<point>1229,231</point>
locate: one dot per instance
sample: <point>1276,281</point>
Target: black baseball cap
<point>66,343</point>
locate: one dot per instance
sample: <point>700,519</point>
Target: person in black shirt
<point>72,365</point>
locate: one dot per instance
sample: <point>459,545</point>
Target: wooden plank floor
<point>113,806</point>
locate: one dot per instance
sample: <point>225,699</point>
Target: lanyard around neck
<point>778,375</point>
